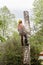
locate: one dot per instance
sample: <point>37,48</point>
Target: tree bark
<point>26,49</point>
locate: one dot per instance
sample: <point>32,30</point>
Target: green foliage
<point>17,38</point>
<point>7,22</point>
<point>13,51</point>
<point>36,47</point>
<point>37,39</point>
<point>2,39</point>
<point>38,11</point>
<point>5,10</point>
<point>13,54</point>
<point>0,23</point>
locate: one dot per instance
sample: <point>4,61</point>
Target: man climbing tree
<point>23,33</point>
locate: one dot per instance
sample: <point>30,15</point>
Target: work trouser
<point>25,40</point>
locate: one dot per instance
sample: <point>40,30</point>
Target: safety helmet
<point>19,21</point>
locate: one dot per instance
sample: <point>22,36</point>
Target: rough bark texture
<point>26,49</point>
<point>26,52</point>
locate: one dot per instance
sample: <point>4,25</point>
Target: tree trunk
<point>26,49</point>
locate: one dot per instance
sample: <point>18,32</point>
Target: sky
<point>17,4</point>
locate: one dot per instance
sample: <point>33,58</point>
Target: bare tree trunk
<point>26,49</point>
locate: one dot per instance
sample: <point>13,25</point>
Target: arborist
<point>23,33</point>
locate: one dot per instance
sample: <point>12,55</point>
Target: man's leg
<point>26,41</point>
<point>22,40</point>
